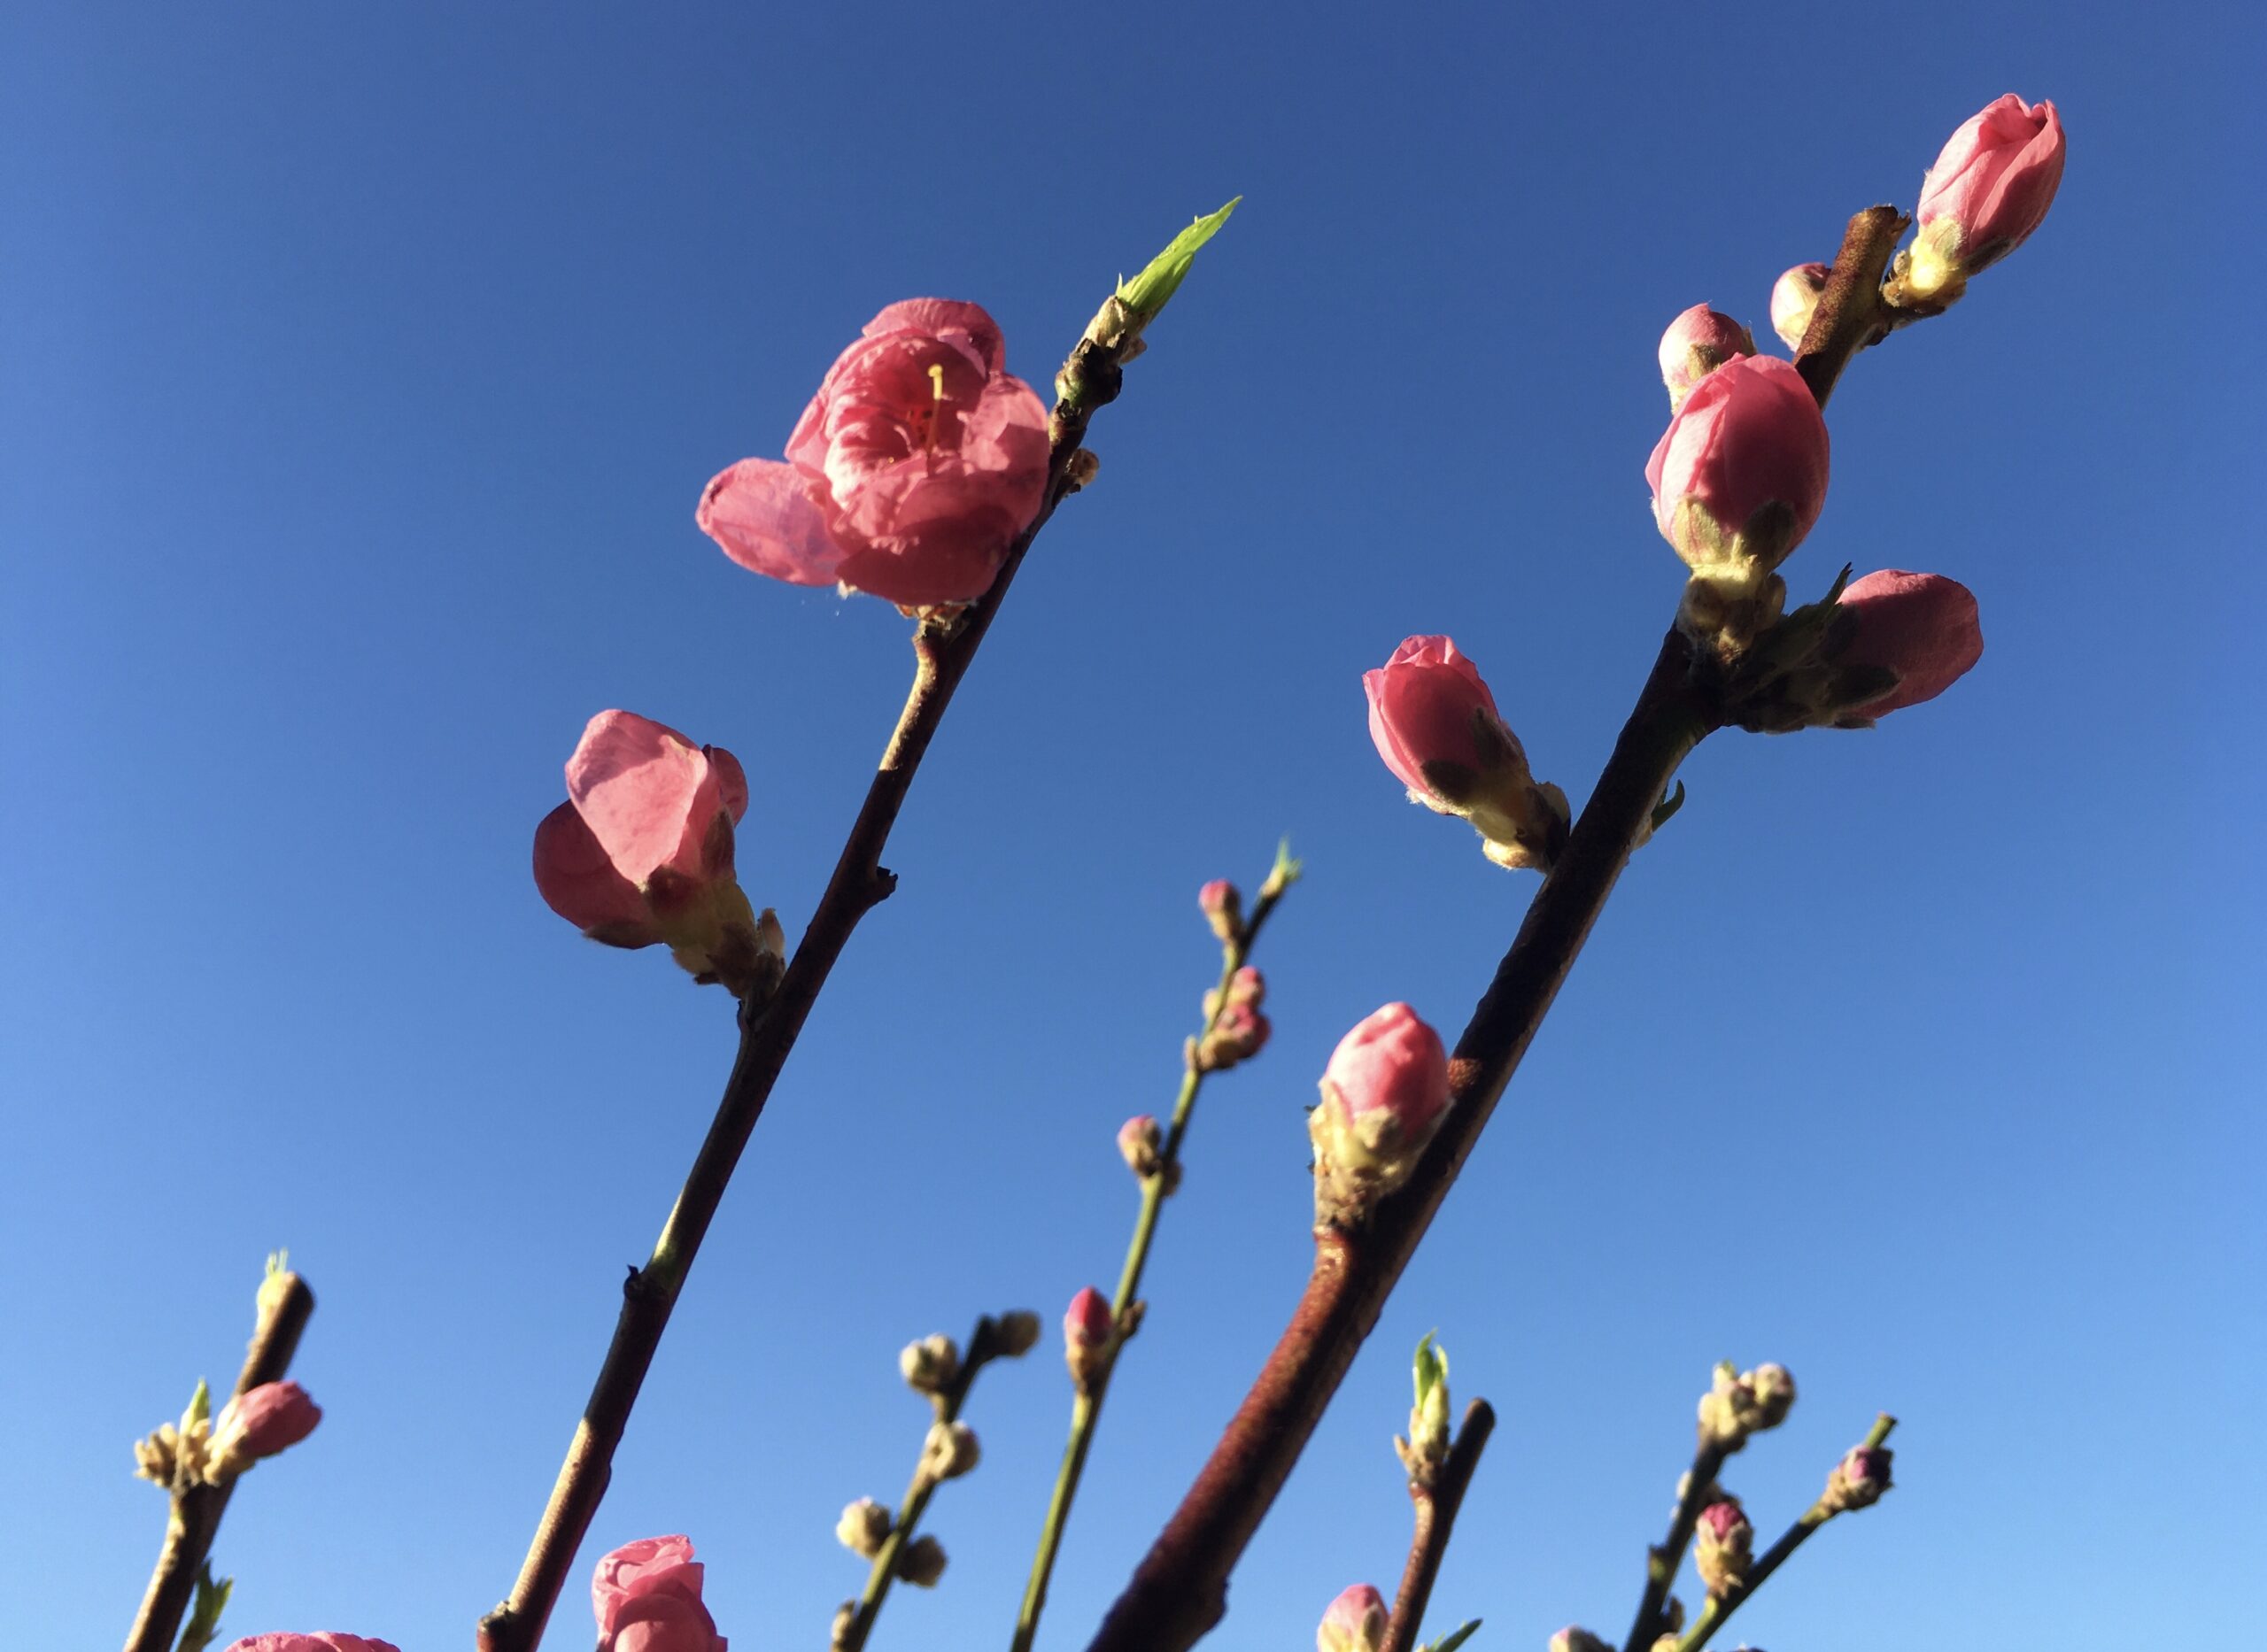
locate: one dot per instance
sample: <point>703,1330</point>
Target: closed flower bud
<point>331,1641</point>
<point>1355,1622</point>
<point>1794,299</point>
<point>260,1422</point>
<point>1721,1546</point>
<point>1739,476</point>
<point>1773,1388</point>
<point>929,1365</point>
<point>1088,1329</point>
<point>864,1527</point>
<point>1434,723</point>
<point>914,469</point>
<point>641,854</point>
<point>647,1598</point>
<point>1858,1480</point>
<point>1989,189</point>
<point>1574,1638</point>
<point>949,1451</point>
<point>1235,1030</point>
<point>1696,344</point>
<point>1730,1411</point>
<point>921,1562</point>
<point>846,1619</point>
<point>1223,907</point>
<point>1383,1095</point>
<point>1921,628</point>
<point>1139,1140</point>
<point>1017,1332</point>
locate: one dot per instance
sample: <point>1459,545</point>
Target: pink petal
<point>578,882</point>
<point>764,516</point>
<point>647,792</point>
<point>944,317</point>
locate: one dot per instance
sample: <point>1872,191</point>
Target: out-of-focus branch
<point>285,1302</point>
<point>1693,1494</point>
<point>1436,1507</point>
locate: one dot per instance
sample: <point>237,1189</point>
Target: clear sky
<point>360,369</point>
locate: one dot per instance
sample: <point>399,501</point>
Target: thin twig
<point>1085,1406</point>
<point>1437,1506</point>
<point>194,1520</point>
<point>1180,1591</point>
<point>1661,1563</point>
<point>982,1345</point>
<point>942,654</point>
<point>1721,1606</point>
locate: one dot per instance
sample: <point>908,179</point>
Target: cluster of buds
<point>1090,1336</point>
<point>1355,1622</point>
<point>201,1450</point>
<point>1873,646</point>
<point>1234,1030</point>
<point>1434,723</point>
<point>1426,1448</point>
<point>641,853</point>
<point>1858,1481</point>
<point>1384,1094</point>
<point>1724,1546</point>
<point>1222,904</point>
<point>1739,1403</point>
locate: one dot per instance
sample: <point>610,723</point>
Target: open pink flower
<point>1794,300</point>
<point>646,1597</point>
<point>327,1641</point>
<point>260,1422</point>
<point>1355,1622</point>
<point>912,471</point>
<point>1740,474</point>
<point>1922,626</point>
<point>1696,344</point>
<point>1992,185</point>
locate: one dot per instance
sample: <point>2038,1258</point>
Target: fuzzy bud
<point>1858,1480</point>
<point>1574,1638</point>
<point>1696,344</point>
<point>930,1364</point>
<point>846,1619</point>
<point>1139,1139</point>
<point>1017,1332</point>
<point>921,1562</point>
<point>949,1451</point>
<point>1223,907</point>
<point>1087,1333</point>
<point>1383,1095</point>
<point>1721,1547</point>
<point>260,1422</point>
<point>1355,1622</point>
<point>1731,1410</point>
<point>864,1527</point>
<point>1794,300</point>
<point>1234,1030</point>
<point>1773,1388</point>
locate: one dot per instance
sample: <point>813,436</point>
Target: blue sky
<point>359,376</point>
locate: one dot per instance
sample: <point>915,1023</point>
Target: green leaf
<point>1149,291</point>
<point>1449,1642</point>
<point>1430,1367</point>
<point>204,1626</point>
<point>1666,809</point>
<point>200,1404</point>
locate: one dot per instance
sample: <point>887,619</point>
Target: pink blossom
<point>1087,1323</point>
<point>646,1597</point>
<point>260,1422</point>
<point>1696,344</point>
<point>1222,904</point>
<point>1428,709</point>
<point>1922,626</point>
<point>1993,184</point>
<point>1355,1622</point>
<point>1391,1063</point>
<point>325,1640</point>
<point>648,825</point>
<point>1794,299</point>
<point>917,465</point>
<point>1740,474</point>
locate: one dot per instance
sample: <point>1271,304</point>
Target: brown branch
<point>1180,1590</point>
<point>942,652</point>
<point>1437,1506</point>
<point>1661,1563</point>
<point>1850,313</point>
<point>194,1518</point>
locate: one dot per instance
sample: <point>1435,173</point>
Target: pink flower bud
<point>1721,1546</point>
<point>1858,1480</point>
<point>260,1422</point>
<point>1923,627</point>
<point>1696,344</point>
<point>1236,1031</point>
<point>1794,297</point>
<point>327,1641</point>
<point>1223,907</point>
<point>1574,1638</point>
<point>1355,1622</point>
<point>1434,723</point>
<point>646,1597</point>
<point>641,853</point>
<point>1139,1140</point>
<point>1087,1327</point>
<point>1739,476</point>
<point>916,467</point>
<point>1989,189</point>
<point>1383,1094</point>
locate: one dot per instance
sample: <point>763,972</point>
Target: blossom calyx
<point>1794,300</point>
<point>1355,1622</point>
<point>1696,344</point>
<point>259,1422</point>
<point>1434,723</point>
<point>1990,188</point>
<point>1723,1545</point>
<point>1384,1093</point>
<point>864,1527</point>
